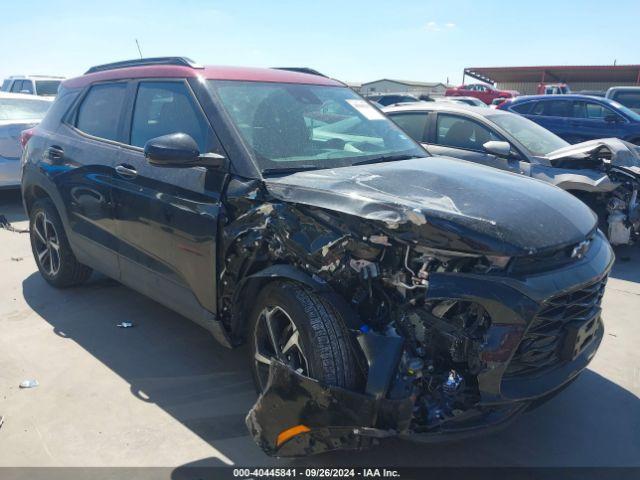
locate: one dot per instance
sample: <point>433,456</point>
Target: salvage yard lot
<point>164,393</point>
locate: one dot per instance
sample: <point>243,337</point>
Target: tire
<point>325,350</point>
<point>51,250</point>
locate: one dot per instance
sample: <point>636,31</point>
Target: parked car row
<point>383,291</point>
<point>577,118</point>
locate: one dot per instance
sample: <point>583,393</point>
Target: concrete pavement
<point>165,394</point>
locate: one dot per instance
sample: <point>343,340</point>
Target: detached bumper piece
<point>299,416</point>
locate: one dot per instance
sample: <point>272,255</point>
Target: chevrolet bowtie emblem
<point>581,249</point>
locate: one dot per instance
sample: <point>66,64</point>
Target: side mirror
<point>179,150</point>
<point>499,149</point>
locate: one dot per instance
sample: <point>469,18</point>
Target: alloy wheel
<point>276,336</point>
<point>47,244</point>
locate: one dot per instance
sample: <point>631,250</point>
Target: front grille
<point>543,345</point>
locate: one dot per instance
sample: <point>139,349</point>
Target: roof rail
<point>308,70</point>
<point>140,62</point>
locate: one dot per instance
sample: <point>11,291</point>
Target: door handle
<point>54,153</point>
<point>126,171</point>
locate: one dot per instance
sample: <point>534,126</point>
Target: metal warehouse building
<point>583,77</point>
<point>386,85</point>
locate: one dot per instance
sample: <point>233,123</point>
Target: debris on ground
<point>17,259</point>
<point>125,325</point>
<point>4,223</point>
<point>1,421</point>
<point>31,383</point>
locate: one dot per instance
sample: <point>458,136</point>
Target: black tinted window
<point>629,99</point>
<point>523,108</point>
<point>557,108</point>
<point>27,86</point>
<point>166,107</point>
<point>459,132</point>
<point>17,86</point>
<point>412,123</point>
<point>99,113</point>
<point>47,87</point>
<point>390,100</point>
<point>538,108</point>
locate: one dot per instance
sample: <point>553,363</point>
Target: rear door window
<point>557,108</point>
<point>459,132</point>
<point>537,108</point>
<point>162,108</point>
<point>414,123</point>
<point>100,111</point>
<point>27,86</point>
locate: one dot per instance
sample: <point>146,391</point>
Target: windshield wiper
<point>285,170</point>
<point>386,158</point>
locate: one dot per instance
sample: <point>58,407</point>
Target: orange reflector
<point>289,433</point>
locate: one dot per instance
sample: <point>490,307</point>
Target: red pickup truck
<point>482,91</point>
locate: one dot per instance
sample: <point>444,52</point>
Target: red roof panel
<point>208,72</point>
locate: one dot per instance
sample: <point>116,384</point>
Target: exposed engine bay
<point>440,333</point>
<point>608,180</point>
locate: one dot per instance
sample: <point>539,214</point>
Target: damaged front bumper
<point>297,415</point>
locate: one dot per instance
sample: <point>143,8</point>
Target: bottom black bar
<point>284,472</point>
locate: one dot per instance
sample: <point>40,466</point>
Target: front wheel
<point>304,331</point>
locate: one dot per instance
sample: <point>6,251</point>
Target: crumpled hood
<point>623,154</point>
<point>446,203</point>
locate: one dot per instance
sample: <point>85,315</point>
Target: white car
<point>18,112</point>
<point>627,96</point>
<point>41,85</point>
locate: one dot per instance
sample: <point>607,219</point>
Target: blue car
<point>578,118</point>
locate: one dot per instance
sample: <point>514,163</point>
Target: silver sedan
<point>18,112</point>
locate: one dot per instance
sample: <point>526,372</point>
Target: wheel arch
<point>251,285</point>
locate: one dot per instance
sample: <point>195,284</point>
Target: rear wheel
<point>304,331</point>
<point>56,262</point>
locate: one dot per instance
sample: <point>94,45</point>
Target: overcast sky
<point>350,40</point>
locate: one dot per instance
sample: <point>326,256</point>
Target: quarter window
<point>414,124</point>
<point>100,111</point>
<point>162,108</point>
<point>459,132</point>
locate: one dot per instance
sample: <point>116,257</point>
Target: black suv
<point>382,291</point>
